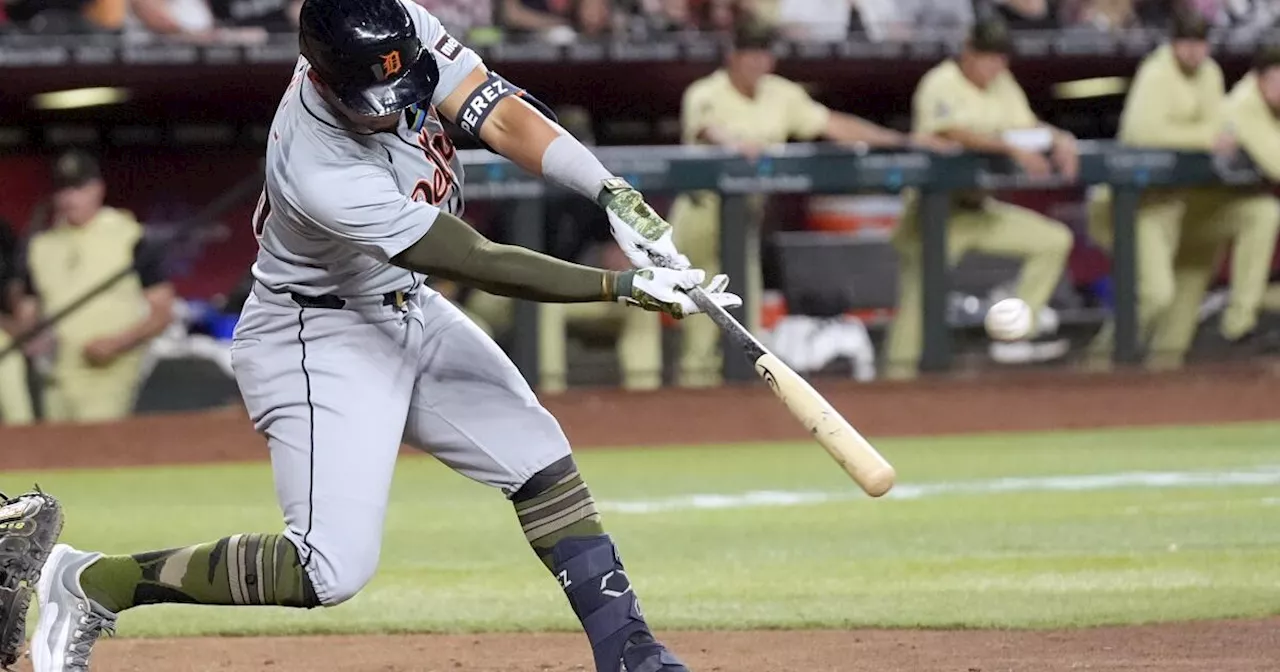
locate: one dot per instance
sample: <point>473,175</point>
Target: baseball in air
<point>1009,320</point>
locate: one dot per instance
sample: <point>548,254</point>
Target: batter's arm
<point>492,109</point>
<point>451,249</point>
<point>454,251</point>
<point>514,128</point>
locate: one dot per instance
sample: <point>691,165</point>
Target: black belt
<point>397,299</point>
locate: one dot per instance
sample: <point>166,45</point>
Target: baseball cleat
<point>70,623</point>
<point>643,653</point>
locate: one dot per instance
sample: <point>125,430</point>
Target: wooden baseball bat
<point>855,454</point>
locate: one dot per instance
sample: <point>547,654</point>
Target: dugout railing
<point>826,169</point>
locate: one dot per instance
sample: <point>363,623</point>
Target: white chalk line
<point>1266,475</point>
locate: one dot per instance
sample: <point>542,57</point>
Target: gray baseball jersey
<point>335,390</point>
<point>334,209</point>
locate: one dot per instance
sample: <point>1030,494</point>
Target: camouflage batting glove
<point>643,236</point>
<point>664,290</point>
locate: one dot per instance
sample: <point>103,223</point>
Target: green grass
<point>453,557</point>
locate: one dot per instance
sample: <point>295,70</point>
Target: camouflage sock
<point>558,509</point>
<point>246,569</point>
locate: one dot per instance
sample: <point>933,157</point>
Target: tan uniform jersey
<point>781,109</point>
<point>1169,109</point>
<point>945,99</point>
<point>64,264</point>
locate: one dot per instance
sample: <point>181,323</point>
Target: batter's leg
<point>330,391</point>
<point>473,411</point>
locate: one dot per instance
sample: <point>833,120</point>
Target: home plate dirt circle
<point>1222,646</point>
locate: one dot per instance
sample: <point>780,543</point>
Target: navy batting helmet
<point>368,53</point>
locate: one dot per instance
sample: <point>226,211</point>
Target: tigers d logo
<point>390,65</point>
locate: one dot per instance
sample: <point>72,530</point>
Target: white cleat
<point>70,623</point>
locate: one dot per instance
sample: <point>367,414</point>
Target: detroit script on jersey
<point>340,202</point>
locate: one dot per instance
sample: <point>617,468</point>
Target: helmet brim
<point>417,84</point>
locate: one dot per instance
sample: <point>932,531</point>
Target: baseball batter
<point>341,353</point>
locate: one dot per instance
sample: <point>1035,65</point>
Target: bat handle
<point>699,296</point>
<point>751,347</point>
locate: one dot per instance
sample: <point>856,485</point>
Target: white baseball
<point>1009,320</point>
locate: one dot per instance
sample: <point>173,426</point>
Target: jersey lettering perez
<point>339,201</point>
<point>482,102</point>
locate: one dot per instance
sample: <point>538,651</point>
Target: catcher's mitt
<point>29,527</point>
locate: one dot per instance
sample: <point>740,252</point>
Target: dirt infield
<point>1244,646</point>
<point>606,418</point>
<point>610,418</point>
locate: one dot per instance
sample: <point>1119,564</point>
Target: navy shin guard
<point>600,593</point>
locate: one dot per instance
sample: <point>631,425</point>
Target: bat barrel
<point>854,454</point>
<point>847,447</point>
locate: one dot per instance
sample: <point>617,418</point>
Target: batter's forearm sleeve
<point>452,250</point>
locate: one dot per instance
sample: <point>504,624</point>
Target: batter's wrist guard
<point>623,283</point>
<point>609,190</point>
<point>29,527</point>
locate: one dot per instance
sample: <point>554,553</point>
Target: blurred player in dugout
<point>746,107</point>
<point>96,353</point>
<point>1177,101</point>
<point>975,101</point>
<point>15,396</point>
